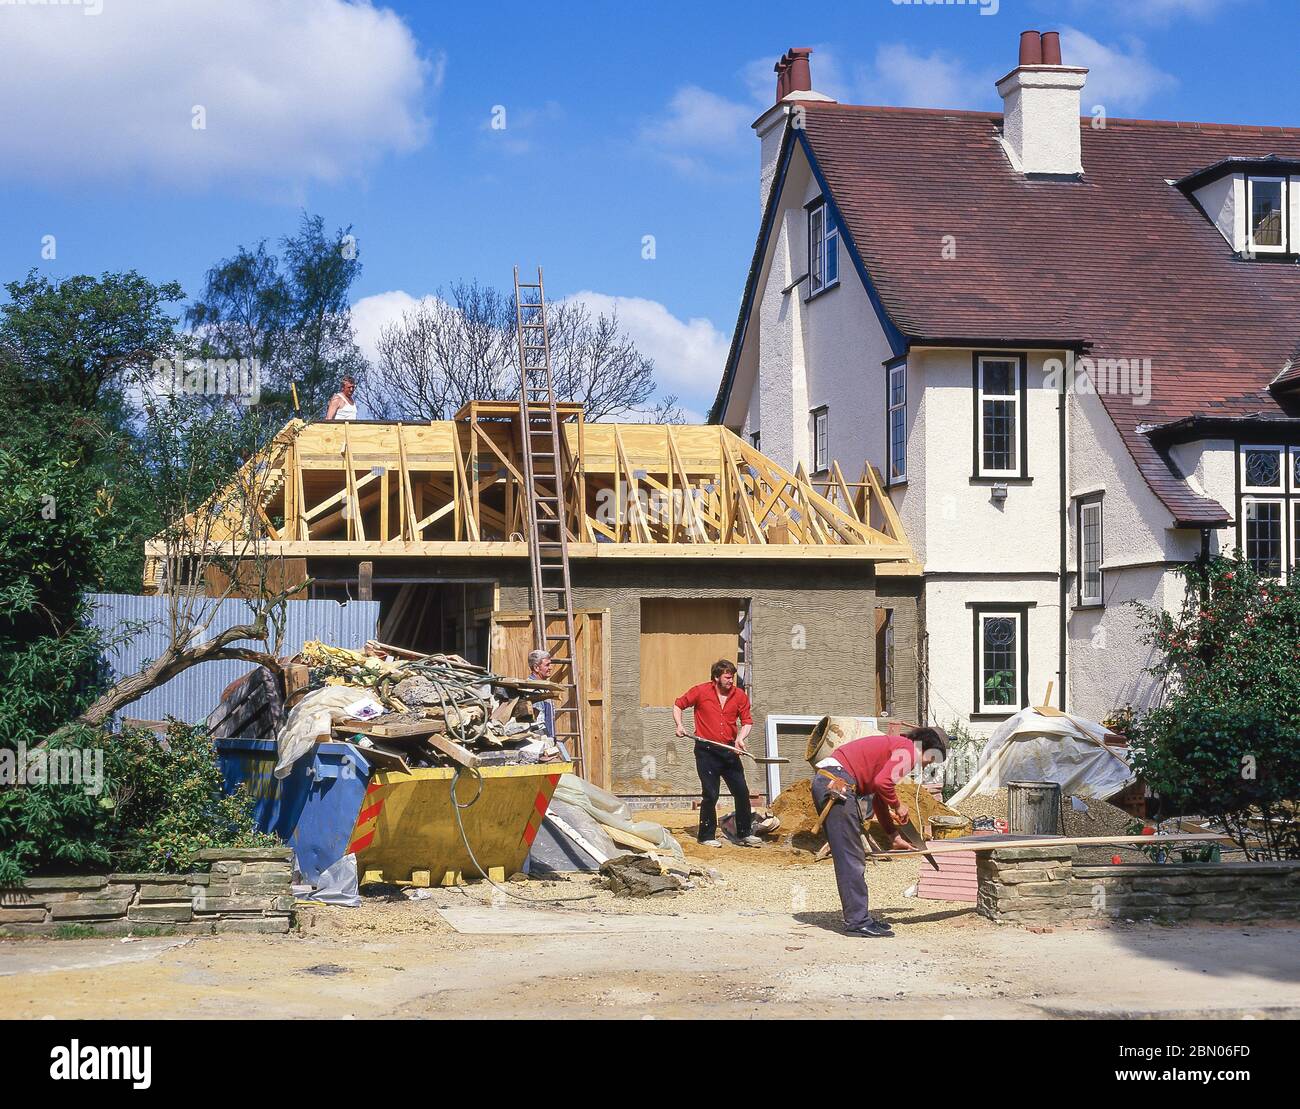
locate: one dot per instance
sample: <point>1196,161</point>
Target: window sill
<point>994,715</point>
<point>823,291</point>
<point>897,483</point>
<point>985,479</point>
<point>1090,606</point>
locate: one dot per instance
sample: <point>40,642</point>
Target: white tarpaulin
<point>613,813</point>
<point>1068,750</point>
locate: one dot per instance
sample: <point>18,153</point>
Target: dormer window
<point>1266,215</point>
<point>1253,202</point>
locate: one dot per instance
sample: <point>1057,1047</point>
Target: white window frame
<point>1086,509</point>
<point>1014,398</point>
<point>821,454</point>
<point>1252,246</point>
<point>892,407</point>
<point>1295,535</point>
<point>1284,468</point>
<point>823,245</point>
<point>1249,502</point>
<point>1017,654</point>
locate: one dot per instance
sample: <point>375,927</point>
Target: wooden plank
<point>947,847</point>
<point>889,514</point>
<point>365,581</point>
<point>741,495</point>
<point>407,506</point>
<point>578,838</point>
<point>466,505</point>
<point>636,517</point>
<point>454,751</point>
<point>627,839</point>
<point>680,639</point>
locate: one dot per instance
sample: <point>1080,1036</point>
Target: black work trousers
<point>714,766</point>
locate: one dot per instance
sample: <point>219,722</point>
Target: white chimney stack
<point>1040,109</point>
<point>793,84</point>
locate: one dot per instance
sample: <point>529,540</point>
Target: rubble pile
<point>407,711</point>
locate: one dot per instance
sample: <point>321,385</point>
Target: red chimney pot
<point>1051,48</point>
<point>800,71</point>
<point>1031,48</point>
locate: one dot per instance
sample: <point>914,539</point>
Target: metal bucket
<point>1034,808</point>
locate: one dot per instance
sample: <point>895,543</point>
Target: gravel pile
<point>1101,818</point>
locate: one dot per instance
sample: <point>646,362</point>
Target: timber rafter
<point>455,487</point>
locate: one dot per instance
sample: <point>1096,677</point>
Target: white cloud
<point>688,354</point>
<point>1158,13</point>
<point>900,76</point>
<point>1119,79</point>
<point>370,315</point>
<point>698,128</point>
<point>292,92</point>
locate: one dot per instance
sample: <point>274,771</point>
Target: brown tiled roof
<point>1120,260</point>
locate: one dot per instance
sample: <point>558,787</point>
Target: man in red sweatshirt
<point>721,714</point>
<point>867,769</point>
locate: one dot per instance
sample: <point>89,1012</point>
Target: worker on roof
<point>342,406</point>
<point>721,715</point>
<point>867,769</point>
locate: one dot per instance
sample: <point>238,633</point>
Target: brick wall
<point>1042,885</point>
<point>245,890</point>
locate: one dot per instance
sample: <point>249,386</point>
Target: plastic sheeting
<point>555,850</point>
<point>1068,750</point>
<point>613,813</point>
<point>337,885</point>
<point>310,721</point>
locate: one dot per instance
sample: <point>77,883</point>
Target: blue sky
<point>621,121</point>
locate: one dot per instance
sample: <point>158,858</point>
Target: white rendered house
<point>1071,346</point>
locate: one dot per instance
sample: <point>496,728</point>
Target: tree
<point>214,541</point>
<point>1226,742</point>
<point>460,346</point>
<point>291,313</point>
<point>76,345</point>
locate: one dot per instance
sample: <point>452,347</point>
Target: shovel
<point>760,760</point>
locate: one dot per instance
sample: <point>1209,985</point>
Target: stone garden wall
<point>1042,885</point>
<point>244,890</point>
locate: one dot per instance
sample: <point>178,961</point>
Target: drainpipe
<point>1065,542</point>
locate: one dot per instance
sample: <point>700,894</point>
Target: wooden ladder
<point>548,541</point>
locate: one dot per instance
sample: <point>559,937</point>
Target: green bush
<point>1226,742</point>
<point>166,801</point>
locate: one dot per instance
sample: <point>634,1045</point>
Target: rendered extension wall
<point>813,636</point>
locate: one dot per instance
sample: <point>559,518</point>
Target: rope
<point>457,807</point>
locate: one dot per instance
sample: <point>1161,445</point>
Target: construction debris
<point>647,875</point>
<point>407,711</point>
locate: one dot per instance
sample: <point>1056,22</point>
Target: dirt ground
<point>763,941</point>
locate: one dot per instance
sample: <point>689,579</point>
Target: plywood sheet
<point>680,640</point>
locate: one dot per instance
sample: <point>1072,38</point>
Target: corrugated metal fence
<point>141,623</point>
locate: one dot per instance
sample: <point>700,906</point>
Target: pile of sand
<point>795,809</point>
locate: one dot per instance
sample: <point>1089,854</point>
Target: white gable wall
<point>800,354</point>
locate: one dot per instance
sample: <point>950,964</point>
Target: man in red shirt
<point>867,769</point>
<point>722,714</point>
